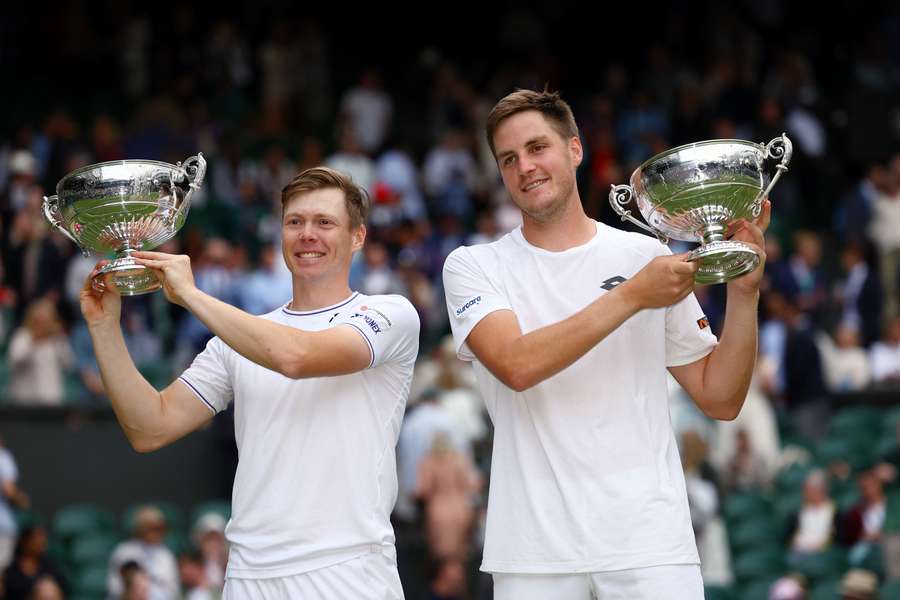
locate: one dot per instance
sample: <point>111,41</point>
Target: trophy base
<point>721,261</point>
<point>130,278</point>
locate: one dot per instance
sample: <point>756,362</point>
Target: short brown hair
<point>555,110</point>
<point>320,178</point>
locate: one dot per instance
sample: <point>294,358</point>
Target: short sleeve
<point>209,378</point>
<point>688,334</point>
<point>390,326</point>
<point>470,297</point>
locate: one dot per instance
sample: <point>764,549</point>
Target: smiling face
<point>537,164</point>
<point>318,240</point>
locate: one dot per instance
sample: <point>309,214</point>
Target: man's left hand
<point>174,270</point>
<point>751,233</point>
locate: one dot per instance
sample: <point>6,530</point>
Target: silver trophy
<point>124,206</point>
<point>693,192</point>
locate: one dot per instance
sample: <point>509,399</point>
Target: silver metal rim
<point>723,261</point>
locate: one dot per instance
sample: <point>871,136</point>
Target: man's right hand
<point>100,309</point>
<point>664,281</point>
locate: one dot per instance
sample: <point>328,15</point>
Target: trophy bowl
<point>693,192</point>
<point>124,206</point>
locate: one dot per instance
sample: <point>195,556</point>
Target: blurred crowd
<point>264,102</point>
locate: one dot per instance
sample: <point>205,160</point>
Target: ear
<point>576,152</point>
<point>359,238</point>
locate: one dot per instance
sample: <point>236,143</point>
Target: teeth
<point>535,184</point>
<point>310,254</point>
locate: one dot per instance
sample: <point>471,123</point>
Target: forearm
<point>264,342</point>
<point>729,367</point>
<point>137,404</point>
<point>544,352</point>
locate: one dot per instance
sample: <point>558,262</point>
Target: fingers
<point>765,217</point>
<point>684,267</point>
<point>153,255</point>
<point>152,263</point>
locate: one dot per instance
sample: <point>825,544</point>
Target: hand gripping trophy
<point>693,192</point>
<point>124,206</point>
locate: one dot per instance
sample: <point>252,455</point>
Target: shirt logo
<point>373,325</point>
<point>703,322</point>
<point>365,307</point>
<point>467,306</point>
<point>612,282</point>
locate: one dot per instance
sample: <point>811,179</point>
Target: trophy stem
<point>714,232</point>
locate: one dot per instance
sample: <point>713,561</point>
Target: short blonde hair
<point>320,178</point>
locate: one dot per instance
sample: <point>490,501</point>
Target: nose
<point>526,165</point>
<point>308,232</point>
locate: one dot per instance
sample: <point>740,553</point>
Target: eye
<point>538,147</point>
<point>324,222</point>
<point>508,161</point>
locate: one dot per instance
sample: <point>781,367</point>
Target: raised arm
<point>292,352</point>
<point>150,419</point>
<point>719,382</point>
<point>522,361</point>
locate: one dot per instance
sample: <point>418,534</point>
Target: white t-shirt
<point>585,474</point>
<point>317,477</point>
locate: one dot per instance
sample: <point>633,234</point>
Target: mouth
<point>534,185</point>
<point>309,255</point>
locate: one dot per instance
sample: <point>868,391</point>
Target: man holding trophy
<point>570,325</point>
<point>319,388</point>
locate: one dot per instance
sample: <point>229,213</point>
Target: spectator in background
<point>814,527</point>
<point>885,356</point>
<point>746,470</point>
<point>854,210</point>
<point>800,278</point>
<point>862,526</point>
<point>147,550</point>
<point>449,581</point>
<point>208,535</point>
<point>193,578</point>
<point>450,176</point>
<point>367,110</point>
<point>351,160</point>
<point>845,363</point>
<point>859,584</point>
<point>10,495</point>
<point>396,169</point>
<point>858,294</point>
<point>379,277</point>
<point>884,230</point>
<point>30,565</point>
<point>39,355</point>
<point>136,583</point>
<point>268,286</point>
<point>445,484</point>
<point>46,588</point>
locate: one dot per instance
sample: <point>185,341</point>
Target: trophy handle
<point>619,197</point>
<point>780,147</point>
<point>194,170</point>
<point>50,207</point>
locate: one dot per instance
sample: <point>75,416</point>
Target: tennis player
<point>319,388</point>
<point>570,325</point>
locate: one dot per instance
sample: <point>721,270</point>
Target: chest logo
<point>612,282</point>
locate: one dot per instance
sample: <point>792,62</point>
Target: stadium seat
<point>92,550</point>
<point>791,479</point>
<point>856,420</point>
<point>819,566</point>
<point>757,589</point>
<point>91,582</point>
<point>753,533</point>
<point>80,519</point>
<point>758,563</point>
<point>746,505</point>
<point>891,590</point>
<point>827,589</point>
<point>717,592</point>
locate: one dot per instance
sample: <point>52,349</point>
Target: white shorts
<point>369,577</point>
<point>672,582</point>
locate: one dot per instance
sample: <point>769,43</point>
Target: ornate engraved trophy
<point>694,191</point>
<point>123,206</point>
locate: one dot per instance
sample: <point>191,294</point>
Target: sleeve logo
<point>372,323</point>
<point>703,322</point>
<point>462,309</point>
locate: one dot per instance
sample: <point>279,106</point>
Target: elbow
<point>291,364</point>
<point>519,379</point>
<point>723,411</point>
<point>145,444</point>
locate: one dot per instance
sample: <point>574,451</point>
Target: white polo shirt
<point>585,473</point>
<point>316,478</point>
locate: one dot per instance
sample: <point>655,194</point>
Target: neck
<point>568,229</point>
<point>310,295</point>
